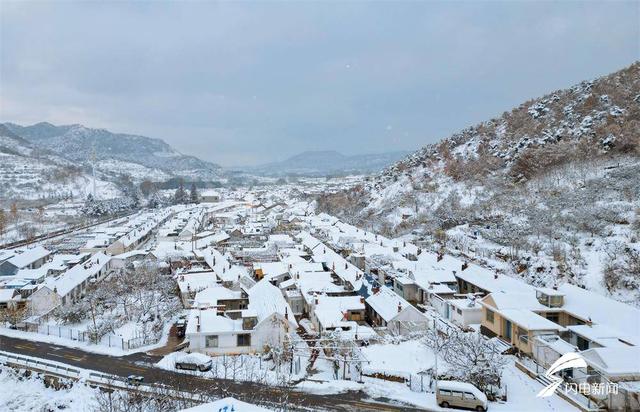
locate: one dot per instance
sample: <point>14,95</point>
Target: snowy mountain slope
<point>31,178</point>
<point>136,171</point>
<point>322,163</point>
<point>549,191</point>
<point>27,172</point>
<point>77,143</point>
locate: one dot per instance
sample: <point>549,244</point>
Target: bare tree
<point>469,356</point>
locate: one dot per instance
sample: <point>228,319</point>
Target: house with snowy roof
<point>209,196</point>
<point>512,317</point>
<point>464,312</point>
<point>128,258</point>
<point>191,283</point>
<point>577,315</point>
<point>10,298</point>
<point>330,312</point>
<point>266,322</point>
<point>224,300</point>
<point>386,309</point>
<point>226,272</point>
<point>27,258</point>
<point>70,286</point>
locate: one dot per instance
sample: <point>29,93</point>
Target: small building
<point>191,283</point>
<point>209,196</point>
<point>69,287</point>
<point>328,313</point>
<point>465,312</point>
<point>124,259</point>
<point>225,301</point>
<point>265,323</point>
<point>29,258</point>
<point>387,309</point>
<point>511,317</point>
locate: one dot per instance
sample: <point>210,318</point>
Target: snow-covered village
<point>344,206</point>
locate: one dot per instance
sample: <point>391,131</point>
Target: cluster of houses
<point>251,269</point>
<point>37,279</point>
<point>270,276</point>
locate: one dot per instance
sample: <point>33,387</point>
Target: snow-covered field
<point>29,393</point>
<point>411,356</point>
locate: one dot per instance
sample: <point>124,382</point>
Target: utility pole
<point>93,169</point>
<point>437,352</point>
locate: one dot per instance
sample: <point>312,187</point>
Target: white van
<point>461,395</point>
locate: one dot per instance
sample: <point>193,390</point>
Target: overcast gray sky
<point>251,82</point>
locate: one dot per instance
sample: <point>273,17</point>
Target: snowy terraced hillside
<point>549,192</point>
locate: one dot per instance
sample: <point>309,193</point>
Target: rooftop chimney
<point>495,276</point>
<point>465,265</point>
<point>399,307</point>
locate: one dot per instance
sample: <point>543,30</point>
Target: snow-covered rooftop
<point>387,303</point>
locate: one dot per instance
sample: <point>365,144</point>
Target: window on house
<point>459,311</point>
<point>489,316</point>
<point>244,339</point>
<point>582,343</point>
<point>554,317</point>
<point>212,341</point>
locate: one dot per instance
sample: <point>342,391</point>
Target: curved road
<point>142,364</point>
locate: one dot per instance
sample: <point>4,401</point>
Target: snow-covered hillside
<point>147,157</point>
<point>28,172</point>
<point>549,191</point>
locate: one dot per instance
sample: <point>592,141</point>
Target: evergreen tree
<point>194,197</point>
<point>180,195</point>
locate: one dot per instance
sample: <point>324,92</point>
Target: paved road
<point>141,364</point>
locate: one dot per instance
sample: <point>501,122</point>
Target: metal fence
<point>111,340</point>
<point>420,383</point>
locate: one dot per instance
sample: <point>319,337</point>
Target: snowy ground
<point>409,357</point>
<point>395,359</point>
<point>244,368</point>
<point>521,393</point>
<point>30,394</point>
<point>85,346</point>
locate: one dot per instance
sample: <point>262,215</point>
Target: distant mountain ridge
<point>77,143</point>
<point>328,162</point>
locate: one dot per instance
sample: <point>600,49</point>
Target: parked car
<point>461,395</point>
<point>135,380</point>
<point>193,361</point>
